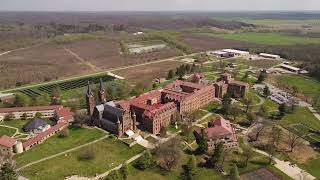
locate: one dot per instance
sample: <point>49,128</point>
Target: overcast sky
<point>157,5</point>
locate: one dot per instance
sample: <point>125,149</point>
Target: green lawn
<point>107,153</point>
<point>305,85</point>
<point>312,166</point>
<point>56,144</point>
<point>303,116</point>
<point>196,114</point>
<point>269,38</point>
<point>212,106</point>
<point>16,123</point>
<point>6,131</point>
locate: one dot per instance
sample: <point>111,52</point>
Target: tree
<point>114,175</point>
<point>276,135</point>
<point>154,86</point>
<point>266,91</point>
<point>163,131</point>
<point>248,100</point>
<point>56,96</point>
<point>293,140</point>
<point>247,154</point>
<point>262,76</point>
<point>189,168</point>
<point>124,171</point>
<point>258,131</point>
<point>170,74</point>
<point>234,173</point>
<point>282,109</point>
<point>251,117</point>
<point>64,133</point>
<point>245,77</point>
<point>7,172</point>
<point>22,100</point>
<point>226,104</point>
<point>80,118</point>
<point>146,161</point>
<point>216,156</point>
<point>294,90</point>
<point>38,115</point>
<point>202,144</point>
<point>24,116</point>
<point>270,149</point>
<point>137,90</point>
<point>193,68</point>
<point>187,130</point>
<point>235,112</point>
<point>168,154</point>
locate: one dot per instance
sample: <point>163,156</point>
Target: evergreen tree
<point>266,91</point>
<point>124,171</point>
<point>216,156</point>
<point>7,172</point>
<point>282,109</point>
<point>226,104</point>
<point>170,74</point>
<point>262,76</point>
<point>163,131</point>
<point>145,161</point>
<point>189,169</point>
<point>234,173</point>
<point>202,145</point>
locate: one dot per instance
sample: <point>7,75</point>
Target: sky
<point>159,5</point>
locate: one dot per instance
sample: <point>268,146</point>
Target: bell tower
<point>102,93</point>
<point>90,100</point>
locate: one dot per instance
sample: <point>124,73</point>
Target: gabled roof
<point>34,124</point>
<point>113,110</point>
<point>221,127</point>
<point>7,141</point>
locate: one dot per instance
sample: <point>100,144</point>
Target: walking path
<point>83,61</point>
<point>315,112</point>
<point>7,52</point>
<point>292,171</point>
<point>61,153</point>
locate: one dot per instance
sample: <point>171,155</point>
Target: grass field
<point>269,38</point>
<point>312,166</point>
<point>108,154</point>
<point>197,114</point>
<point>263,63</point>
<point>305,85</point>
<point>56,144</point>
<point>303,116</point>
<point>6,131</point>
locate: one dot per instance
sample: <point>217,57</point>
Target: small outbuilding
<point>6,145</point>
<point>36,126</point>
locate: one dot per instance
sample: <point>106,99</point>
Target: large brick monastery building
<point>156,109</point>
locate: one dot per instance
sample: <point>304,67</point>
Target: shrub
<point>87,155</point>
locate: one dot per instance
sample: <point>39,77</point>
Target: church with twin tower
<point>108,115</point>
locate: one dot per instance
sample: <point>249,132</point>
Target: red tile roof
<point>64,113</point>
<point>138,99</point>
<point>32,108</point>
<point>7,141</point>
<point>39,137</point>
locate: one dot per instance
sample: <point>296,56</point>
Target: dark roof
<point>113,110</point>
<point>34,124</point>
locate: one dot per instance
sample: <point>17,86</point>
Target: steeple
<point>102,97</point>
<point>89,100</point>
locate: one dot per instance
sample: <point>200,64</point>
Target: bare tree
<point>81,118</point>
<point>293,140</point>
<point>168,154</point>
<point>257,132</point>
<point>247,154</point>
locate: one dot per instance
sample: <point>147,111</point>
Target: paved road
<point>98,73</point>
<point>61,153</point>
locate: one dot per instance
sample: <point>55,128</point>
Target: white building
<point>271,56</point>
<point>290,68</point>
<point>236,52</point>
<point>30,112</point>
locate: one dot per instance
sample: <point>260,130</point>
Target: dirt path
<point>83,61</point>
<point>7,52</point>
<point>61,153</point>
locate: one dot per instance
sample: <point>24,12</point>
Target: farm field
<point>108,153</point>
<point>54,61</point>
<point>203,42</point>
<point>146,74</point>
<point>303,116</point>
<point>268,38</point>
<point>263,63</point>
<point>56,144</point>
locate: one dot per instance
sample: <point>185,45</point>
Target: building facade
<point>226,84</point>
<point>218,131</point>
<point>188,96</point>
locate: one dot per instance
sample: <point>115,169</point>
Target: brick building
<point>226,84</point>
<point>188,96</point>
<point>218,131</point>
<point>7,144</point>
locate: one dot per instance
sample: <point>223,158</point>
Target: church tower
<point>90,100</point>
<point>102,94</point>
